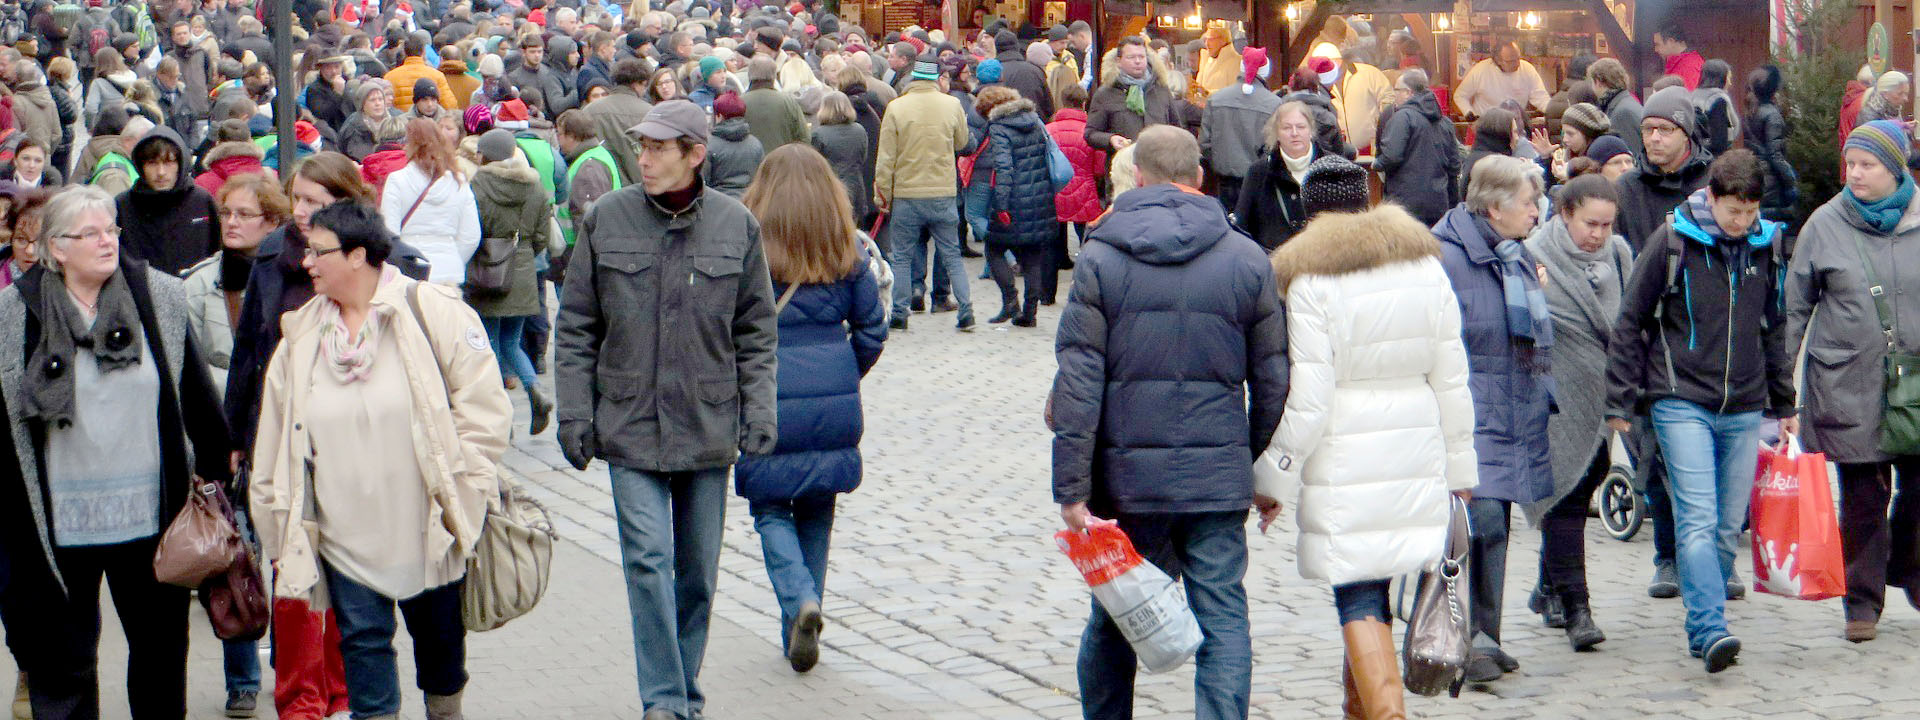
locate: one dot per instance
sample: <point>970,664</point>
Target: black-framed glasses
<point>316,253</point>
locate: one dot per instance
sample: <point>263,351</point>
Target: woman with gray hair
<point>112,420</point>
<point>373,103</point>
<point>1508,329</point>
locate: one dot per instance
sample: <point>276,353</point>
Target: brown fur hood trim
<point>1341,243</point>
<point>234,148</point>
<point>1011,108</point>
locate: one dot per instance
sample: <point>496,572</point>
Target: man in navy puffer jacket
<point>1175,317</point>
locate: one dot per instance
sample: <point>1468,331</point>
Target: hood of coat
<point>123,79</point>
<point>1019,113</point>
<point>453,66</point>
<point>1342,243</point>
<point>1070,115</point>
<point>1462,227</point>
<point>235,149</point>
<point>733,129</point>
<point>1694,221</point>
<point>1426,104</point>
<point>507,181</point>
<point>1110,69</point>
<point>558,48</point>
<point>182,184</point>
<point>1163,224</point>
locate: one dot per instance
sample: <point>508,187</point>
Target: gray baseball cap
<point>673,119</point>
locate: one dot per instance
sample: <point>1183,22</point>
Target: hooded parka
<point>171,229</point>
<point>513,204</point>
<point>1021,212</point>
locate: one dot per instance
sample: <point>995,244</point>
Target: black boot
<point>1582,634</point>
<point>1007,312</point>
<point>1548,605</point>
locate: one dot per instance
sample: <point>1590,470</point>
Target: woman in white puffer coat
<point>1378,427</point>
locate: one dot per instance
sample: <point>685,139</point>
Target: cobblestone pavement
<point>947,598</point>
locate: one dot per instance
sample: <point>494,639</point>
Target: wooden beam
<point>1610,25</point>
<point>1309,29</point>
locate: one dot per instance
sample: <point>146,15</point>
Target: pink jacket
<point>1080,202</point>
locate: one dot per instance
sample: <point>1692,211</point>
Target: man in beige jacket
<point>915,180</point>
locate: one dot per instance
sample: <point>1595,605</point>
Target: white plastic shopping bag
<point>1149,607</point>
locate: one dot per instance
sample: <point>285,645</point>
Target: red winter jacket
<point>229,160</point>
<point>1080,202</point>
<point>379,165</point>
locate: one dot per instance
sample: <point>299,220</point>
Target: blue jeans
<point>1710,461</point>
<point>936,215</point>
<point>1362,600</point>
<point>366,643</point>
<point>507,335</point>
<point>1209,551</point>
<point>794,537</point>
<point>670,527</point>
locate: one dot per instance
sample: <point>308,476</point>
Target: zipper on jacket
<point>1693,332</point>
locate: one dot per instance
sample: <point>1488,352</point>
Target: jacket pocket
<point>717,421</point>
<point>718,278</point>
<point>623,410</point>
<point>1842,392</point>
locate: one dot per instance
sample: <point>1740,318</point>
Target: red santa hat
<point>511,111</point>
<point>305,133</point>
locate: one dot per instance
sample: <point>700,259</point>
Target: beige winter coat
<point>458,448</point>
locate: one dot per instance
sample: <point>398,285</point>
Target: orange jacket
<point>411,70</point>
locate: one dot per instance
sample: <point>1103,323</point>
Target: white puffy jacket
<point>446,226</point>
<point>1378,427</point>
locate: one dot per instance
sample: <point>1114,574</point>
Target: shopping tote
<point>1149,607</point>
<point>1796,533</point>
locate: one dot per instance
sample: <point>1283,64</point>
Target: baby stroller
<point>1620,501</point>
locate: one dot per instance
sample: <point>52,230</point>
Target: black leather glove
<point>757,440</point>
<point>577,442</point>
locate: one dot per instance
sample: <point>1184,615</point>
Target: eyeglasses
<point>240,215</point>
<point>111,232</point>
<point>1662,130</point>
<point>316,253</point>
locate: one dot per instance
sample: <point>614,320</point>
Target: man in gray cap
<point>665,359</point>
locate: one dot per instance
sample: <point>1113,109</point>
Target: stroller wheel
<point>1621,510</point>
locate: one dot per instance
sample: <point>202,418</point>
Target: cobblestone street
<point>947,597</point>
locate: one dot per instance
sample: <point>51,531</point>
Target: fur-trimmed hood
<point>234,148</point>
<point>1011,108</point>
<point>1110,68</point>
<point>1341,243</point>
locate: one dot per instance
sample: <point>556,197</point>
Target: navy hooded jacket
<point>1022,213</point>
<point>1173,362</point>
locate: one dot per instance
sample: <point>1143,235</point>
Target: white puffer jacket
<point>1379,422</point>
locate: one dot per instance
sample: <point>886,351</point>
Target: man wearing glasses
<point>1669,171</point>
<point>665,357</point>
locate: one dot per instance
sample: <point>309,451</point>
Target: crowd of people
<point>477,187</point>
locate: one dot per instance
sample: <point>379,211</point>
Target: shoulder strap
<point>416,206</point>
<point>781,304</point>
<point>420,319</point>
<point>1881,306</point>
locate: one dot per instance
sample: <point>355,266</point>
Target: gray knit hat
<point>1589,120</point>
<point>1673,105</point>
<point>1334,184</point>
<point>496,145</point>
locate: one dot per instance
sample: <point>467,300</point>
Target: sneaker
<point>1736,590</point>
<point>899,322</point>
<point>1666,582</point>
<point>803,643</point>
<point>241,704</point>
<point>1720,653</point>
<point>1482,669</point>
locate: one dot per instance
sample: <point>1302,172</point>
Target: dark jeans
<point>1208,551</point>
<point>1879,553</point>
<point>1058,258</point>
<point>366,643</point>
<point>539,330</point>
<point>1033,266</point>
<point>56,635</point>
<point>1563,533</point>
<point>1488,519</point>
<point>1362,600</point>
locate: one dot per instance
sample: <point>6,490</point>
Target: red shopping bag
<point>1796,535</point>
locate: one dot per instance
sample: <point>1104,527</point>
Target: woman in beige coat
<point>377,455</point>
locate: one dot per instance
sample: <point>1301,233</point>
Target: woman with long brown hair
<point>429,204</point>
<point>832,327</point>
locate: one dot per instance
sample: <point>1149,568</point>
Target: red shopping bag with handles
<point>1796,534</point>
<point>1149,606</point>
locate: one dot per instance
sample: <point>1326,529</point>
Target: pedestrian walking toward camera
<point>1705,375</point>
<point>1165,270</point>
<point>832,328</point>
<point>1372,329</point>
<point>1509,335</point>
<point>669,414</point>
<point>1586,268</point>
<point>1854,266</point>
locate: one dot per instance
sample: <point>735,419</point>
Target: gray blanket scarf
<point>64,330</point>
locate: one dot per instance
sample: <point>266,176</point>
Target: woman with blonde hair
<point>1269,208</point>
<point>429,204</point>
<point>832,328</point>
<point>843,141</point>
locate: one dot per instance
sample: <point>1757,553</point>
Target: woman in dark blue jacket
<point>1509,336</point>
<point>832,327</point>
<point>1021,217</point>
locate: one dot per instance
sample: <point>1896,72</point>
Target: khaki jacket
<point>921,136</point>
<point>457,441</point>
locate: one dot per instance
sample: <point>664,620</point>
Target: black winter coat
<point>1107,114</point>
<point>328,106</point>
<point>1421,159</point>
<point>1766,135</point>
<point>169,229</point>
<point>1328,137</point>
<point>733,155</point>
<point>1269,207</point>
<point>1170,309</point>
<point>68,108</point>
<point>1485,145</point>
<point>845,147</point>
<point>1647,195</point>
<point>1021,213</point>
<point>1026,77</point>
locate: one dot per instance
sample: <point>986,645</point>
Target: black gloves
<point>577,442</point>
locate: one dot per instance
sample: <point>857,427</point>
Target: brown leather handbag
<point>201,542</point>
<point>236,600</point>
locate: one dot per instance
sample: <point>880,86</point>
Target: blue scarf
<point>1884,215</point>
<point>1529,321</point>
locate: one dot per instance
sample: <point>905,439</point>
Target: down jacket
<point>1171,308</point>
<point>1378,427</point>
<point>831,334</point>
<point>1510,402</point>
<point>1021,212</point>
<point>1080,202</point>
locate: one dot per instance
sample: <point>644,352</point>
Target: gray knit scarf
<point>64,331</point>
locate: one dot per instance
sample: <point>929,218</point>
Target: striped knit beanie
<point>1589,120</point>
<point>1886,139</point>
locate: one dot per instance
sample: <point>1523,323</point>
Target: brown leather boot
<point>22,706</point>
<point>1376,673</point>
<point>1351,706</point>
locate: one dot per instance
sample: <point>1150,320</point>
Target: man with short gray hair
<point>1163,441</point>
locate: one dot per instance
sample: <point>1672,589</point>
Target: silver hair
<point>566,13</point>
<point>62,214</point>
<point>1415,79</point>
<point>1502,181</point>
